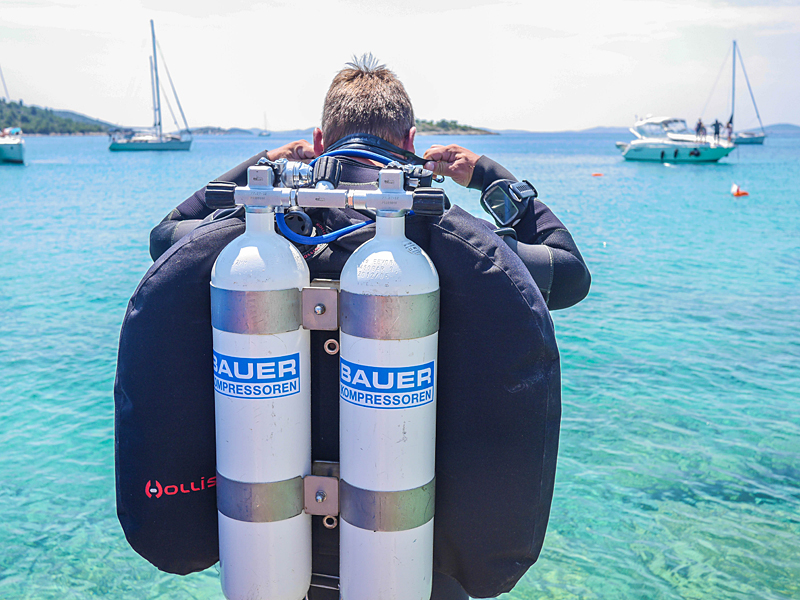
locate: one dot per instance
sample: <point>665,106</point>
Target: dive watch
<point>506,200</point>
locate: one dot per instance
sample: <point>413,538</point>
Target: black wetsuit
<point>544,244</point>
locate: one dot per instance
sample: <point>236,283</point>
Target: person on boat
<point>367,106</point>
<point>717,128</point>
<point>700,130</point>
<point>729,129</point>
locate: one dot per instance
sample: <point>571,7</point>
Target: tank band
<point>387,511</point>
<point>389,317</point>
<point>259,502</point>
<point>264,312</point>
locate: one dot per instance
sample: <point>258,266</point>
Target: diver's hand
<point>297,150</point>
<point>452,161</point>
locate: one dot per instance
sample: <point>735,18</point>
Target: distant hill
<point>614,130</point>
<point>220,131</point>
<point>34,119</point>
<point>73,116</point>
<point>445,127</point>
<point>782,128</point>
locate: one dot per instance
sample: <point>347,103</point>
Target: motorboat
<point>669,140</point>
<point>12,146</point>
<point>154,139</point>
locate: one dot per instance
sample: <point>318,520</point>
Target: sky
<point>500,64</point>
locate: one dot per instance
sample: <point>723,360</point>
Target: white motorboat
<point>669,140</point>
<point>131,140</point>
<point>12,146</point>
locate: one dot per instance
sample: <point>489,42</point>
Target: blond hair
<point>366,97</point>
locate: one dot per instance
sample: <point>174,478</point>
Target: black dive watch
<point>506,200</point>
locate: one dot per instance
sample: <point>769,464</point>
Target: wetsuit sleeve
<point>184,218</point>
<point>543,243</point>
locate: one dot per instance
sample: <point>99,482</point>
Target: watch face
<point>500,205</point>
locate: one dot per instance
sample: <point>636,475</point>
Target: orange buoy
<point>597,174</point>
<point>738,192</point>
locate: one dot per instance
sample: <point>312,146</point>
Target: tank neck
<point>259,219</point>
<point>392,225</point>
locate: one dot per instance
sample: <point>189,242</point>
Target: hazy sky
<point>535,65</point>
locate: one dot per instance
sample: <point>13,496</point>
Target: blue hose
<point>319,239</point>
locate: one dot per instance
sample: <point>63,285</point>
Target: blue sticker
<point>386,387</point>
<point>257,378</point>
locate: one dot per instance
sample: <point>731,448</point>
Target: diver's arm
<point>543,243</point>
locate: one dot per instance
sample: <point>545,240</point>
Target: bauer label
<point>257,378</point>
<point>386,387</point>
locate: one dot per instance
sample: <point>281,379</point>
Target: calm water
<point>679,468</point>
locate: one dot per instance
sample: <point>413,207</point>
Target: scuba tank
<point>389,307</point>
<point>263,410</point>
<point>389,315</point>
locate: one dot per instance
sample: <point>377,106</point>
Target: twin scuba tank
<point>388,316</point>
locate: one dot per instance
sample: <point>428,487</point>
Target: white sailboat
<point>12,146</point>
<point>155,139</point>
<point>744,137</point>
<point>264,132</point>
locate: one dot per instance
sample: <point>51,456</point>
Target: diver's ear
<point>408,143</point>
<point>319,143</point>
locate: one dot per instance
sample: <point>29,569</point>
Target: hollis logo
<point>154,489</point>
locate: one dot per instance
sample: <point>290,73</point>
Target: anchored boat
<point>155,139</point>
<point>12,146</point>
<point>666,139</point>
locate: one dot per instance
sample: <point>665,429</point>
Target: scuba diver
<point>368,120</point>
<point>367,108</point>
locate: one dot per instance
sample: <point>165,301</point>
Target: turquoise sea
<point>679,462</point>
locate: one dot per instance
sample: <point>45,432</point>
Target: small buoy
<point>597,174</point>
<point>737,192</point>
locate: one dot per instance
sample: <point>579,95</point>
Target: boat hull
<point>13,151</point>
<point>674,153</point>
<point>126,146</point>
<point>741,138</point>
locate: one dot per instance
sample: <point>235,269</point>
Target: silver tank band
<point>390,317</point>
<point>259,502</point>
<point>264,312</point>
<point>387,511</point>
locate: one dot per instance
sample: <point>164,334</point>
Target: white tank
<point>389,309</point>
<point>263,420</point>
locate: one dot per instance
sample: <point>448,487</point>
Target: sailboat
<point>12,146</point>
<point>264,132</point>
<point>744,137</point>
<point>155,139</point>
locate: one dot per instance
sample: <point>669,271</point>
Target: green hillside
<point>443,126</point>
<point>33,119</point>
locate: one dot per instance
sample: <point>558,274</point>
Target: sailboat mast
<point>153,94</point>
<point>156,92</point>
<point>5,87</point>
<point>733,84</point>
<point>750,89</point>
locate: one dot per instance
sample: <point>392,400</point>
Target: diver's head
<point>366,97</point>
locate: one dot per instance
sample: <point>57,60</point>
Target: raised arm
<point>543,242</point>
